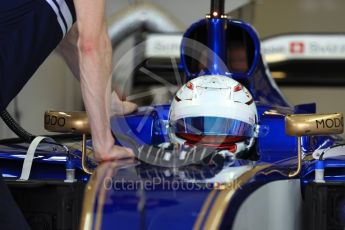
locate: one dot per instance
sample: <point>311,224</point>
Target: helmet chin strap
<point>240,147</point>
<point>256,130</point>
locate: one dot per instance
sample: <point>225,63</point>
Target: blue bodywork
<point>156,206</point>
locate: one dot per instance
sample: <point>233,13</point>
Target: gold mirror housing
<point>70,122</point>
<point>67,122</point>
<point>311,124</point>
<point>314,124</point>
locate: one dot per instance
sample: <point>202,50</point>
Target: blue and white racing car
<point>228,152</point>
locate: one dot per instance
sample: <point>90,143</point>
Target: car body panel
<point>206,196</point>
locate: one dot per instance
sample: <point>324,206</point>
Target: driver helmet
<point>214,111</point>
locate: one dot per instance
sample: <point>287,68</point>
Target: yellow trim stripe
<point>89,202</point>
<point>214,209</point>
<point>101,197</point>
<point>103,171</point>
<point>216,214</point>
<point>204,209</point>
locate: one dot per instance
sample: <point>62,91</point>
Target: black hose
<point>15,127</point>
<point>218,7</point>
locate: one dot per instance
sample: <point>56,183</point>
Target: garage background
<point>53,87</point>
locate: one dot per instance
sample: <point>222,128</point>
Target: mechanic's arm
<point>69,49</point>
<point>95,61</point>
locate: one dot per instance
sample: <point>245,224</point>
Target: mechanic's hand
<point>119,107</point>
<point>115,153</point>
<point>103,142</point>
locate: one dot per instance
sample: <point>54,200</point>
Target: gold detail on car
<point>312,124</point>
<point>217,209</point>
<point>70,122</point>
<point>67,122</point>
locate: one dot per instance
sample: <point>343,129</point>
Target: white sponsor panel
<point>299,47</point>
<point>275,49</point>
<point>163,46</point>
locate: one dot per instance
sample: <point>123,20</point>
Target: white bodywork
<point>276,205</point>
<point>330,152</point>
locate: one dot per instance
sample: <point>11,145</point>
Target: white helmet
<point>215,111</point>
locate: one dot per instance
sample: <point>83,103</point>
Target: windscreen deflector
<point>220,46</point>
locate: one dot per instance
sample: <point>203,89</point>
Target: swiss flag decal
<point>297,47</point>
